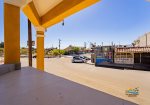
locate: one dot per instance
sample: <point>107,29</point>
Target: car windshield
<point>76,57</point>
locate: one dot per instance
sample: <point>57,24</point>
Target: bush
<point>2,45</point>
<point>75,49</point>
<point>24,51</point>
<point>1,51</point>
<point>56,52</point>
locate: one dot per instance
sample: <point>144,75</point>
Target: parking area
<point>111,81</point>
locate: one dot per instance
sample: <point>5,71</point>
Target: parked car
<point>78,59</point>
<point>86,58</point>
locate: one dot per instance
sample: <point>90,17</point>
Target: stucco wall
<point>124,60</point>
<point>142,40</point>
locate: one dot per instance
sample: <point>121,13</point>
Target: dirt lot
<point>111,81</point>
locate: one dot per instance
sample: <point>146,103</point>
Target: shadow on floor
<point>32,87</point>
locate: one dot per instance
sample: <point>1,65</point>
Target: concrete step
<point>5,68</point>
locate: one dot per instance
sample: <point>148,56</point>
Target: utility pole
<point>112,44</point>
<point>85,45</point>
<point>59,47</point>
<point>30,43</point>
<point>102,44</point>
<point>146,39</point>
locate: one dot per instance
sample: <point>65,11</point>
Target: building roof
<point>132,49</point>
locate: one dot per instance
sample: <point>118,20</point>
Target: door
<point>145,58</point>
<point>136,58</point>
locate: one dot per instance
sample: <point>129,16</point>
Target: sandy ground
<point>111,81</point>
<point>1,60</point>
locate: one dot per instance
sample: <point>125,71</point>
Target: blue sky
<point>120,21</point>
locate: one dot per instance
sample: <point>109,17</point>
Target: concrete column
<point>40,48</point>
<point>12,35</point>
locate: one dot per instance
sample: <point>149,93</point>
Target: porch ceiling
<point>46,13</point>
<point>43,6</point>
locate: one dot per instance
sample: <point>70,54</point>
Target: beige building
<point>132,55</point>
<point>143,41</point>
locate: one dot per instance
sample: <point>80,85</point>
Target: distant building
<point>143,41</point>
<point>102,54</point>
<point>132,55</point>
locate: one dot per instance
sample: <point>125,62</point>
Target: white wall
<point>142,40</point>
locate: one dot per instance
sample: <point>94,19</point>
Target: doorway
<point>137,58</point>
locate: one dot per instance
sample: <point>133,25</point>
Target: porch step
<point>5,68</point>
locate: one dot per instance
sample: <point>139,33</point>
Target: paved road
<point>111,81</point>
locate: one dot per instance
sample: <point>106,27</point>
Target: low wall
<point>5,68</point>
<point>124,60</point>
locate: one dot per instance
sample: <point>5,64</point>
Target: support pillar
<point>12,35</point>
<point>29,43</point>
<point>40,48</point>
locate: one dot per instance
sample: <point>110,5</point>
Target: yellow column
<point>12,35</point>
<point>40,48</point>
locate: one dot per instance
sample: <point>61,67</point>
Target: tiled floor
<point>31,87</point>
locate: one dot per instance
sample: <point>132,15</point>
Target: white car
<point>78,59</point>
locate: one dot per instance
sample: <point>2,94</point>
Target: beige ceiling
<point>43,6</point>
<point>18,3</point>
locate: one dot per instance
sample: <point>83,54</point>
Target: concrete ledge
<point>17,66</point>
<point>6,68</point>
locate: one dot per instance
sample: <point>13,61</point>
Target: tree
<point>55,52</point>
<point>62,52</point>
<point>76,49</point>
<point>24,51</point>
<point>66,53</point>
<point>2,45</point>
<point>1,51</point>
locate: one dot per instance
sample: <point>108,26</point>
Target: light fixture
<point>63,23</point>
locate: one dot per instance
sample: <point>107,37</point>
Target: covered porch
<point>32,86</point>
<point>42,14</point>
<point>29,86</point>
